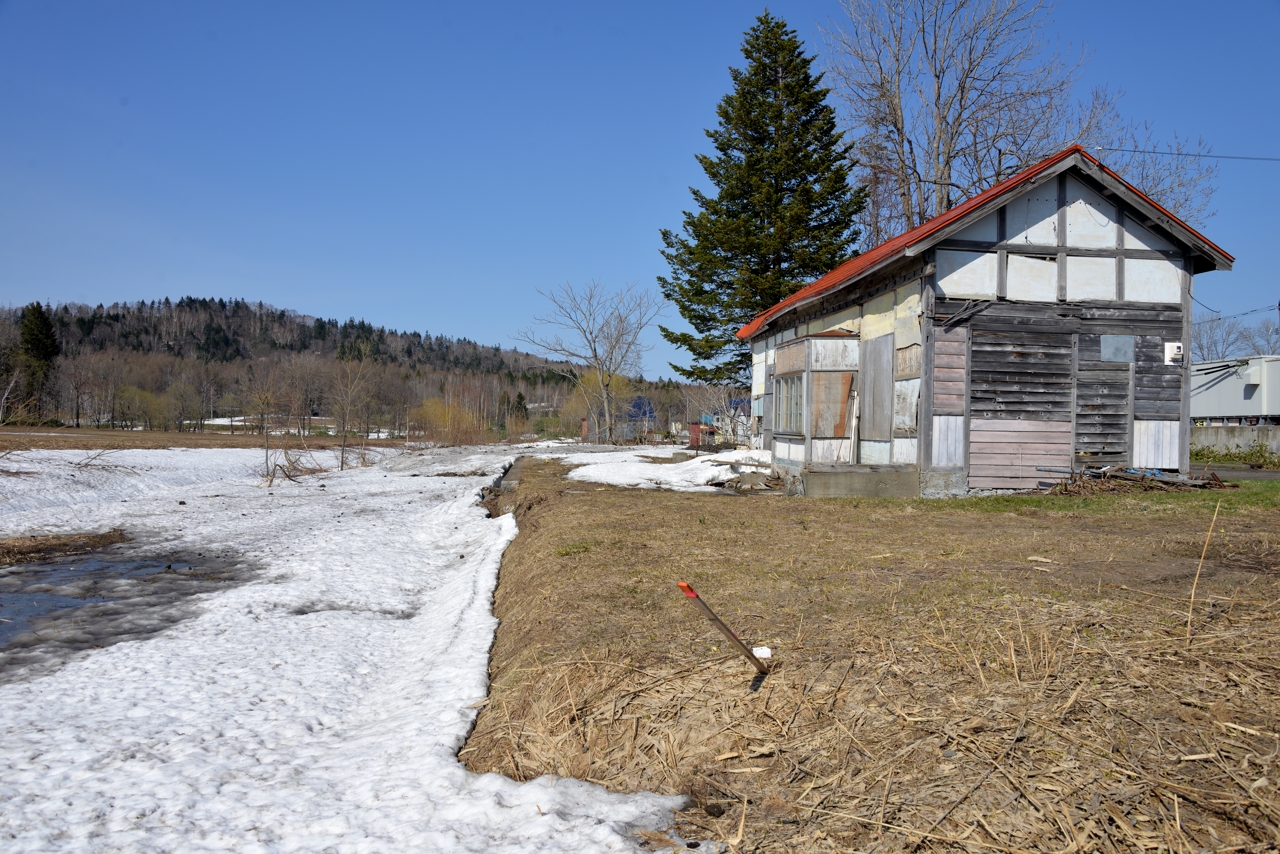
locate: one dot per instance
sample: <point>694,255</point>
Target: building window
<point>788,404</point>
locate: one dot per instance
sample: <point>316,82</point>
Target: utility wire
<point>1205,307</point>
<point>1188,154</point>
<point>1241,314</point>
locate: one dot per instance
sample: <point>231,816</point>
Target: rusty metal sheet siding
<point>829,398</point>
<point>876,380</point>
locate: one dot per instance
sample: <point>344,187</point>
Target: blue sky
<point>427,166</point>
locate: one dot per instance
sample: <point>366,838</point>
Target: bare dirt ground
<point>87,438</point>
<point>1000,674</point>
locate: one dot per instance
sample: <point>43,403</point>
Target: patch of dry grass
<point>931,689</point>
<point>16,550</point>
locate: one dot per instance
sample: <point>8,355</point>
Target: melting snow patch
<point>319,706</point>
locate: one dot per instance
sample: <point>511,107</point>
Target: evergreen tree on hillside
<point>783,211</point>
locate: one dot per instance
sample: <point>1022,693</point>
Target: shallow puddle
<point>52,610</point>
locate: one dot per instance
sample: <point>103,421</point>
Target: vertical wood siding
<point>876,389</point>
<point>948,441</point>
<point>1155,444</point>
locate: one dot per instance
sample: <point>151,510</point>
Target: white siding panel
<point>1152,280</point>
<point>1033,217</point>
<point>904,451</point>
<point>1155,444</point>
<point>1091,219</point>
<point>948,441</point>
<point>1032,279</point>
<point>833,354</point>
<point>906,405</point>
<point>1137,237</point>
<point>983,230</point>
<point>875,453</point>
<point>1091,278</point>
<point>831,451</point>
<point>788,452</point>
<point>967,275</point>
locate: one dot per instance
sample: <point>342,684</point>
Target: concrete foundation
<point>1235,438</point>
<point>863,481</point>
<point>944,484</point>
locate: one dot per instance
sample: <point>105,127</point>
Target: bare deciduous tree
<point>1214,337</point>
<point>1264,339</point>
<point>260,390</point>
<point>949,97</point>
<point>350,392</point>
<point>600,330</point>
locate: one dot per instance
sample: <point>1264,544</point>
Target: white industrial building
<point>1236,392</point>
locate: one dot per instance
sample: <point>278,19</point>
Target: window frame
<point>788,404</point>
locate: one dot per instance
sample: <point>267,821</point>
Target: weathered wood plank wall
<point>1044,364</point>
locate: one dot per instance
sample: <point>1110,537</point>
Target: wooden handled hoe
<point>724,630</point>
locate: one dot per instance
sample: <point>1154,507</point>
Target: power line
<point>1241,314</point>
<point>1188,154</point>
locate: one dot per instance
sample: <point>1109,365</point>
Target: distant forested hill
<point>199,363</point>
<point>218,330</point>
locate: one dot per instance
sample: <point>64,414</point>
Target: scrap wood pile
<point>1113,479</point>
<point>1028,725</point>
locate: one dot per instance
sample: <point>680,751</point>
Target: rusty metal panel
<point>876,389</point>
<point>829,404</point>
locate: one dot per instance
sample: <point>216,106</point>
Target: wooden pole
<point>724,630</point>
<point>1192,607</point>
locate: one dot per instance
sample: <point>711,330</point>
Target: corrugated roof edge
<point>890,249</point>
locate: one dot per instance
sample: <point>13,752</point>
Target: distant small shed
<point>1040,324</point>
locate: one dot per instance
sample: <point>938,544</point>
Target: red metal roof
<point>872,258</point>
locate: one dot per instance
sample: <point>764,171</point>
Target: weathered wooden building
<point>1042,323</point>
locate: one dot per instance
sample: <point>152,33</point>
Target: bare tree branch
<point>949,97</point>
<point>600,330</point>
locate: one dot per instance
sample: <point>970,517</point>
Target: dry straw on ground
<point>933,689</point>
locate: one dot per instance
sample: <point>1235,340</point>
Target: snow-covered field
<point>319,707</point>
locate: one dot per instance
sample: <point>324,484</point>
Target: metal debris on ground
<point>1117,479</point>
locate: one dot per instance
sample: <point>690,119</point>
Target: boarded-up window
<point>788,404</point>
<point>829,400</point>
<point>876,379</point>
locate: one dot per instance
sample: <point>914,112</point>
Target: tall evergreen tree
<point>783,212</point>
<point>38,347</point>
